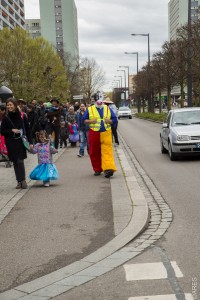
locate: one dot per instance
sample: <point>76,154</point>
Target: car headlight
<point>182,138</point>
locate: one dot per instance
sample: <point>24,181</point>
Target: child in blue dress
<point>45,170</point>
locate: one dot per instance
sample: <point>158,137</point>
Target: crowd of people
<point>51,125</point>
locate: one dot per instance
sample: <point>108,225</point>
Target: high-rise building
<point>33,27</point>
<point>178,15</point>
<point>59,25</point>
<point>12,14</point>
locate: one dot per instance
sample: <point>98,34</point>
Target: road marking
<point>149,271</point>
<point>161,297</point>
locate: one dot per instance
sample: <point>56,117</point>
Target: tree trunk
<point>182,94</point>
<point>143,105</point>
<point>169,98</point>
<point>160,101</point>
<point>152,103</point>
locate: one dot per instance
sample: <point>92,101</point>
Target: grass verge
<point>152,116</point>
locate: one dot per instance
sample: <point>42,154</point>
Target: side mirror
<point>165,125</point>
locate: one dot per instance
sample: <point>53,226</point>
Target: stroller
<point>4,153</point>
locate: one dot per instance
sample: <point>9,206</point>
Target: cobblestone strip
<point>9,196</point>
<point>160,212</point>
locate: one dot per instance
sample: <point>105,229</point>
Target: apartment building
<point>59,25</point>
<point>33,27</point>
<point>12,14</point>
<point>178,15</point>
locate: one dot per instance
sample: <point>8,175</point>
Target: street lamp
<point>138,100</point>
<point>124,82</point>
<point>149,85</point>
<point>137,57</point>
<point>118,82</point>
<point>144,34</point>
<point>120,78</point>
<point>126,67</point>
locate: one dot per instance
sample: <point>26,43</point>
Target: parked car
<point>124,112</point>
<point>180,133</point>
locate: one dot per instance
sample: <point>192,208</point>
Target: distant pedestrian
<point>64,132</point>
<point>53,116</point>
<point>33,120</point>
<point>83,131</point>
<point>45,170</point>
<point>71,115</point>
<point>73,133</point>
<point>12,125</point>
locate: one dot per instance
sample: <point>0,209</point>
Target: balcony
<point>11,11</point>
<point>4,13</point>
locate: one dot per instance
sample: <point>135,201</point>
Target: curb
<point>131,216</point>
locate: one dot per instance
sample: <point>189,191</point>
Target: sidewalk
<point>80,218</point>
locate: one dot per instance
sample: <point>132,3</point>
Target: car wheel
<point>130,117</point>
<point>118,118</point>
<point>172,155</point>
<point>162,148</point>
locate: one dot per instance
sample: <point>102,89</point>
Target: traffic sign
<point>78,97</point>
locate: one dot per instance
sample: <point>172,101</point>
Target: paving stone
<point>52,290</point>
<point>74,280</point>
<point>11,295</point>
<point>30,297</point>
<point>46,280</point>
<point>95,271</point>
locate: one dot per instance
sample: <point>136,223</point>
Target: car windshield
<point>124,108</point>
<point>182,118</point>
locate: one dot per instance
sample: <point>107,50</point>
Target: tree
<point>72,68</point>
<point>157,76</point>
<point>31,68</point>
<point>92,77</point>
<point>142,87</point>
<point>169,68</point>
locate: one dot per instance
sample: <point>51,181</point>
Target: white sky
<point>105,28</point>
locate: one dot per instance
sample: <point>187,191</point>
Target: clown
<point>100,117</point>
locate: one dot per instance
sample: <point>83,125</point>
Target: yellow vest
<point>94,114</point>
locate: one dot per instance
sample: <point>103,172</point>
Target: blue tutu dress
<point>45,170</point>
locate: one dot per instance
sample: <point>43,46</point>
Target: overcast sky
<point>105,28</point>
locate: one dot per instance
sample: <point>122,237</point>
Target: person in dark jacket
<point>11,126</point>
<point>33,120</point>
<point>53,116</point>
<point>42,118</point>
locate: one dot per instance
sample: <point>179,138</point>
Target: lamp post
<point>144,34</point>
<point>118,82</point>
<point>120,79</point>
<point>126,67</point>
<point>124,82</point>
<point>137,57</point>
<point>149,84</point>
<point>138,100</point>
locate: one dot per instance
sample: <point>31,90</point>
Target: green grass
<point>150,116</point>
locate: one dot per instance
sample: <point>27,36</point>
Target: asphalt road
<point>179,184</point>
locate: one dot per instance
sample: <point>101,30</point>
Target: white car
<point>124,112</point>
<point>180,133</point>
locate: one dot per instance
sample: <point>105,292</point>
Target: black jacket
<point>15,147</point>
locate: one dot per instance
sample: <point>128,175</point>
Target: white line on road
<point>149,271</point>
<point>161,297</point>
